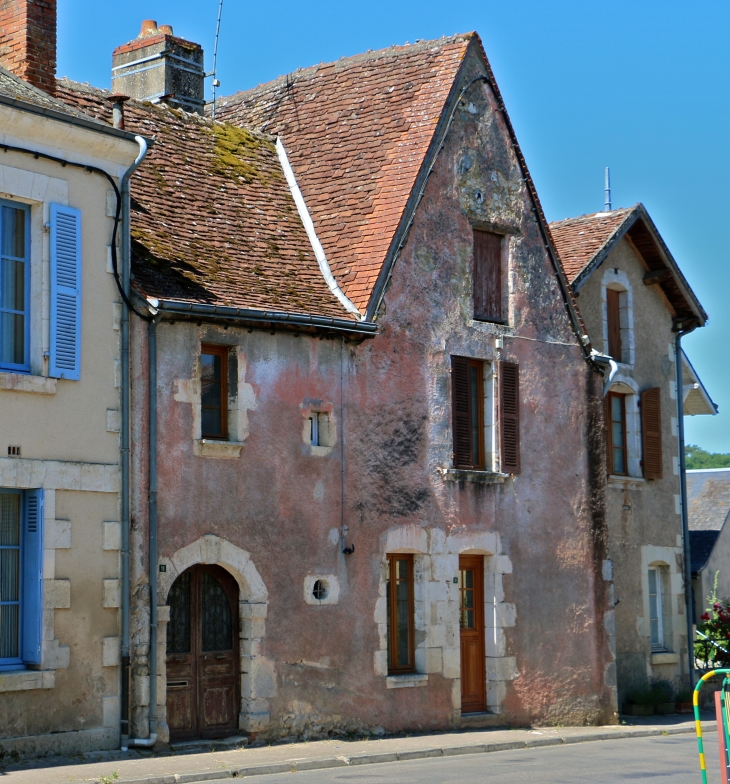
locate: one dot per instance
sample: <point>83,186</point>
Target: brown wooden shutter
<point>651,432</point>
<point>487,276</point>
<point>509,414</point>
<point>460,412</point>
<point>613,315</point>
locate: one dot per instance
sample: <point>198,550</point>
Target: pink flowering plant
<point>712,646</point>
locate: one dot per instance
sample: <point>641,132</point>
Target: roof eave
<point>79,122</point>
<point>269,318</point>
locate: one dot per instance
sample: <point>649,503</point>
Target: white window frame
<point>656,573</point>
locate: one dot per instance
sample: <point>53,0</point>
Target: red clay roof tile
<point>356,132</point>
<point>579,239</point>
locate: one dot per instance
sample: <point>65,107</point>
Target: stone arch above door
<point>211,549</point>
<point>258,677</point>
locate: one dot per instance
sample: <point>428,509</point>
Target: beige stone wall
<point>68,434</point>
<point>643,516</point>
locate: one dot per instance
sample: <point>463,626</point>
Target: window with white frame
<point>21,583</point>
<point>658,607</point>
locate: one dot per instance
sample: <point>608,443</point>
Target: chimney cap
<point>165,29</point>
<point>149,27</point>
<point>117,97</point>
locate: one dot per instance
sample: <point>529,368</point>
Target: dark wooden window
<point>651,432</point>
<point>509,417</point>
<point>467,385</point>
<point>399,592</point>
<point>615,412</point>
<point>487,283</point>
<point>214,391</point>
<point>613,317</point>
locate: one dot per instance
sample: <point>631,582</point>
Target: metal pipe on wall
<point>683,505</point>
<point>124,436</point>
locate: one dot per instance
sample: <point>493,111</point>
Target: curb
<point>401,756</point>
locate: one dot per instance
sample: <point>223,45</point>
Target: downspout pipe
<point>124,436</point>
<point>683,504</point>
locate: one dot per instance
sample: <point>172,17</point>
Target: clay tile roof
<point>17,89</point>
<point>356,132</point>
<point>708,496</point>
<point>579,239</point>
<point>213,220</point>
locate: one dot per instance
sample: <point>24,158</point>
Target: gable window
<point>467,382</point>
<point>656,608</point>
<point>615,404</point>
<point>21,607</point>
<point>400,623</point>
<point>214,391</point>
<point>14,287</point>
<point>613,319</point>
<point>487,283</point>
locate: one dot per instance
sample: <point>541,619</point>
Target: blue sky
<point>641,86</point>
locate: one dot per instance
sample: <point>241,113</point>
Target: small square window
<point>319,429</point>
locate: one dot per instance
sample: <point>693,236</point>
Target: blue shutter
<point>65,292</point>
<point>31,607</point>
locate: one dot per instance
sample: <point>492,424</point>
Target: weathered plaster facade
<point>67,435</point>
<point>644,525</point>
<point>268,507</point>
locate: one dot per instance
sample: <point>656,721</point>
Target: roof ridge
<point>370,54</point>
<point>598,214</point>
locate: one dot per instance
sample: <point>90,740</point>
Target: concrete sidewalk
<point>180,768</point>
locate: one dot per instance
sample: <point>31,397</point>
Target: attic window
<point>319,429</point>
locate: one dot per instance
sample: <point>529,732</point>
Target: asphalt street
<point>666,759</point>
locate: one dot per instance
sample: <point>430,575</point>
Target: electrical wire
<point>117,213</point>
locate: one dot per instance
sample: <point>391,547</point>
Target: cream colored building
<point>59,425</point>
<point>634,298</point>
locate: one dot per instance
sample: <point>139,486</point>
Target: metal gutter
<point>683,505</point>
<point>79,122</point>
<point>124,435</point>
<point>248,315</point>
<point>306,219</point>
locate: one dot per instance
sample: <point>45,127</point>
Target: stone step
<point>476,720</point>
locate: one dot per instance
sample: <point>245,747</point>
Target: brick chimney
<point>157,66</point>
<point>28,41</point>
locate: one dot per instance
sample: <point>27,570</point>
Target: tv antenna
<point>213,73</point>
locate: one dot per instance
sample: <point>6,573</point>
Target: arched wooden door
<point>202,655</point>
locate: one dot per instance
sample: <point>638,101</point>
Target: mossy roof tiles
<point>213,220</point>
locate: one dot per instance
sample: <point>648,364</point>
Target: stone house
<point>367,485</point>
<point>708,493</point>
<point>59,404</point>
<point>634,298</point>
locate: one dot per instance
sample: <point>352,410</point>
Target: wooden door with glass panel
<point>471,622</point>
<point>202,655</point>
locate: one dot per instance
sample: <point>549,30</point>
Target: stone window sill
<point>22,382</point>
<point>210,447</point>
<point>24,680</point>
<point>664,657</point>
<point>407,681</point>
<point>625,481</point>
<point>477,477</point>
